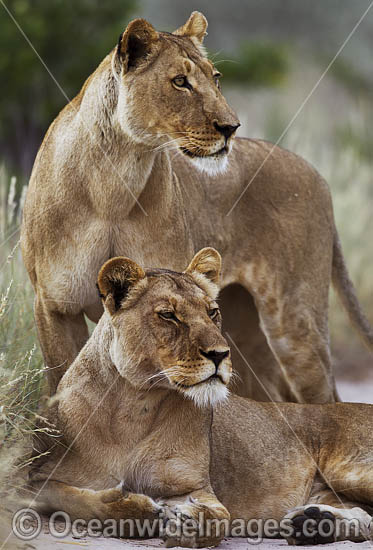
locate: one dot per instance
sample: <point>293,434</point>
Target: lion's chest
<point>71,273</point>
<point>147,456</point>
<point>152,243</point>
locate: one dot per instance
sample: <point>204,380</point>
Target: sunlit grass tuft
<point>21,366</point>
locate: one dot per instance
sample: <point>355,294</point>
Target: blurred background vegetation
<point>71,37</point>
<point>271,53</point>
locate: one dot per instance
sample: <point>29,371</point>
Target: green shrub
<point>256,64</point>
<point>71,38</point>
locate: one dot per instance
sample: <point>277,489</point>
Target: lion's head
<point>167,326</point>
<point>169,93</point>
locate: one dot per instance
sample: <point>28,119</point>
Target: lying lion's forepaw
<point>181,528</point>
<point>312,526</point>
<point>131,503</point>
<point>111,495</point>
<point>185,542</point>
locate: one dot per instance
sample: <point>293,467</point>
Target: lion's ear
<point>136,42</point>
<point>207,262</point>
<point>115,279</point>
<point>195,27</point>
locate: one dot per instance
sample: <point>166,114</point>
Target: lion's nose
<point>226,129</point>
<point>215,356</point>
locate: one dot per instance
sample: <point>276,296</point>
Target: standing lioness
<point>145,404</point>
<point>142,163</point>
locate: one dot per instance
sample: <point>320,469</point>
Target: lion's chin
<point>213,166</point>
<point>208,394</point>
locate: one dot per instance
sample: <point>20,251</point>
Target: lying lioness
<point>146,404</point>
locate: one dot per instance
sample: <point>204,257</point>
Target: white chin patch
<point>211,166</point>
<point>208,394</point>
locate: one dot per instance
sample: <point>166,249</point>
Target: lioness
<point>142,163</point>
<point>145,404</point>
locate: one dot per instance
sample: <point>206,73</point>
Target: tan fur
<point>109,181</point>
<point>126,415</point>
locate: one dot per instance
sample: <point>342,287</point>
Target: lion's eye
<point>213,313</point>
<point>181,82</point>
<point>168,315</point>
<point>216,77</point>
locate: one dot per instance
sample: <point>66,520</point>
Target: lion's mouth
<point>221,152</point>
<point>210,379</point>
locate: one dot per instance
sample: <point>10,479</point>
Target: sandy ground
<point>361,391</point>
<point>44,543</point>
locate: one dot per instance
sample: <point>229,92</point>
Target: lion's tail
<point>347,294</point>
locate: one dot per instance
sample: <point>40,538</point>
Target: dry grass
<point>21,366</point>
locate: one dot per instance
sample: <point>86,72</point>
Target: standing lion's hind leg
<point>296,329</point>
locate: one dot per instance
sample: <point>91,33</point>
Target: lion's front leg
<point>87,504</point>
<point>195,520</point>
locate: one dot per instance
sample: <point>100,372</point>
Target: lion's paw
<point>181,527</point>
<point>119,501</point>
<point>311,525</point>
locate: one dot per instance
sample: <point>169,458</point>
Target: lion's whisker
<point>163,145</point>
<point>162,375</point>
